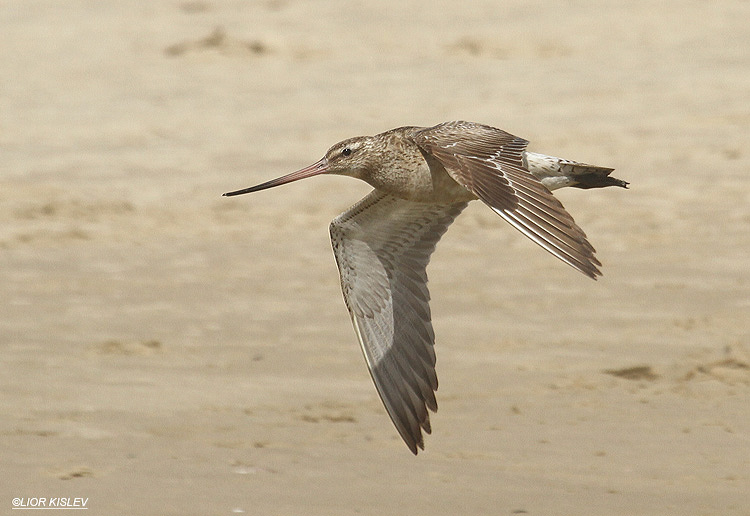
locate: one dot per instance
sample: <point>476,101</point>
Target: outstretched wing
<point>382,246</point>
<point>489,162</point>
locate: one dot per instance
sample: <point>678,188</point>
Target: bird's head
<point>346,158</point>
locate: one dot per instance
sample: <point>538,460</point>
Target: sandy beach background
<point>168,351</point>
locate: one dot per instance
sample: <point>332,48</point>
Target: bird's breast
<point>415,179</point>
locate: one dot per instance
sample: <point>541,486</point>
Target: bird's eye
<point>346,152</point>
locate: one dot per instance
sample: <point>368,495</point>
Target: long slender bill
<point>320,167</point>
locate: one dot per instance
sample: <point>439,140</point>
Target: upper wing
<point>489,162</point>
<point>382,246</point>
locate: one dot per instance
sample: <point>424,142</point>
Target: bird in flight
<point>423,177</point>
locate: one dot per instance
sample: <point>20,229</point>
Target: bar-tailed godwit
<point>423,178</point>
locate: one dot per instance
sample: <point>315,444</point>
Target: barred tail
<point>557,172</point>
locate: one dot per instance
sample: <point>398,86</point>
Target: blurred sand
<point>169,351</point>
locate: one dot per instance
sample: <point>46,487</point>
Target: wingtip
<point>414,447</point>
<point>594,273</point>
<point>415,443</point>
